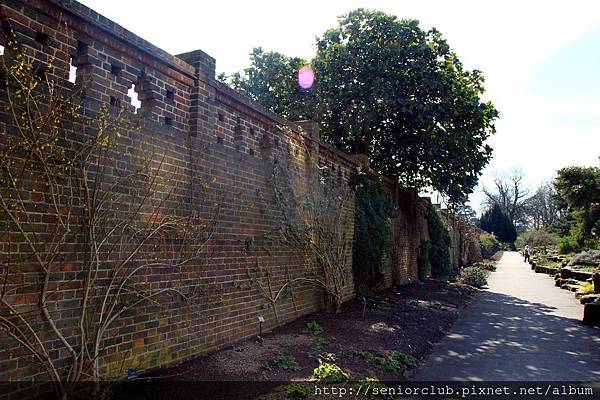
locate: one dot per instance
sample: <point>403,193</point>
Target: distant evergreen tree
<point>495,221</point>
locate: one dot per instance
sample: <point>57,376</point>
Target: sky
<point>541,59</point>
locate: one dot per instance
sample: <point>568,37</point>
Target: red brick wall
<point>409,230</point>
<point>205,133</point>
<point>465,240</point>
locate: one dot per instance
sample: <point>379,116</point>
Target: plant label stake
<point>261,319</point>
<point>132,373</point>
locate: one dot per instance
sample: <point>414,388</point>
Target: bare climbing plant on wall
<point>316,214</point>
<point>91,227</point>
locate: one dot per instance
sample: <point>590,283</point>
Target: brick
<point>237,168</point>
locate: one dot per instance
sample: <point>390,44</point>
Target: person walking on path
<point>526,253</point>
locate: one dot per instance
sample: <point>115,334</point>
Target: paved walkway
<point>522,328</point>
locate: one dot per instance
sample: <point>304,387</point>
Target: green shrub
<point>593,244</point>
<point>586,288</point>
<point>489,244</point>
<point>317,346</point>
<point>576,241</point>
<point>327,372</point>
<point>568,244</point>
<point>318,343</point>
<point>486,265</point>
<point>583,267</point>
<point>506,246</point>
<point>373,213</point>
<point>473,276</point>
<point>286,362</point>
<point>404,358</point>
<point>313,327</point>
<point>392,361</point>
<point>439,241</point>
<point>365,355</point>
<point>372,383</point>
<point>296,391</point>
<point>388,363</point>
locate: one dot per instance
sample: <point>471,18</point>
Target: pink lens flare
<point>306,77</point>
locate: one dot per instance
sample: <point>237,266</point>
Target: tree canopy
<point>579,187</point>
<point>388,89</point>
<point>271,80</point>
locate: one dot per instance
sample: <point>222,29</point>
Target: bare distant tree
<point>542,208</point>
<point>510,194</point>
<point>467,212</point>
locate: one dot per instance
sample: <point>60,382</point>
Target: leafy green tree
<point>579,187</point>
<point>388,89</point>
<point>495,221</point>
<point>272,80</point>
<point>565,223</point>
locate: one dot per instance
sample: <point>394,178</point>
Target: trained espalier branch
<point>73,194</point>
<point>262,278</point>
<point>315,216</point>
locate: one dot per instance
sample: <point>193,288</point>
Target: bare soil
<point>410,319</point>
